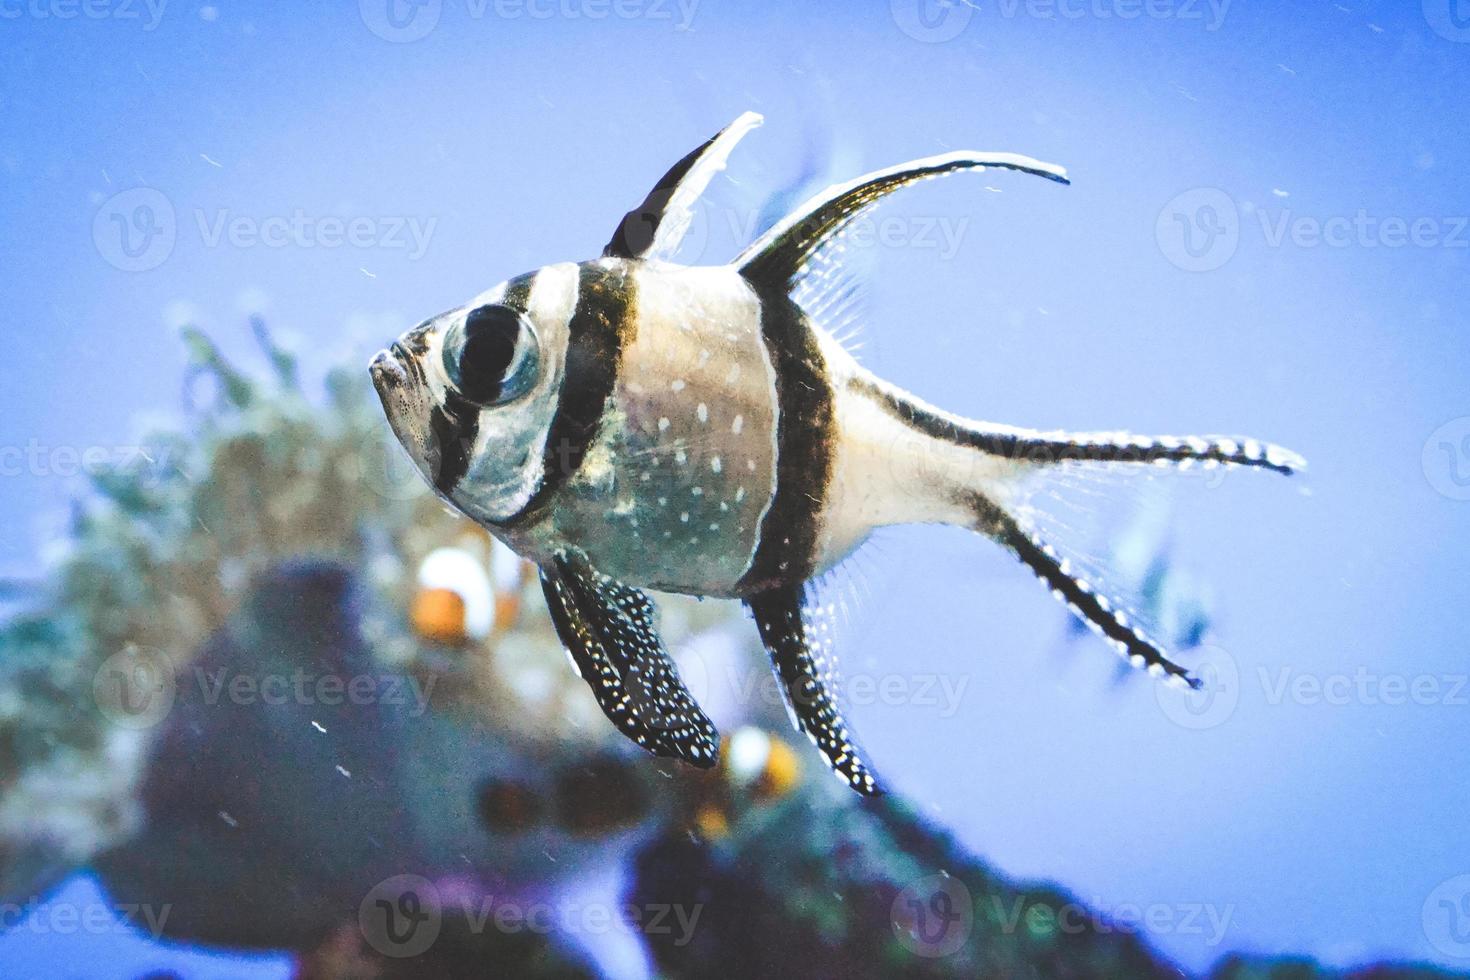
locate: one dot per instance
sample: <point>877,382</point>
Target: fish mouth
<point>399,384</point>
<point>389,370</point>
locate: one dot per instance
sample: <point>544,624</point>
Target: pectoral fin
<point>608,628</point>
<point>805,669</point>
<point>654,229</point>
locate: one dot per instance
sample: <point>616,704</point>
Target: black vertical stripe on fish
<point>600,327</point>
<point>456,423</point>
<point>787,548</point>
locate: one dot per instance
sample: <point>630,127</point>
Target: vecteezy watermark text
<point>1200,230</point>
<point>940,691</point>
<point>302,230</point>
<point>138,687</point>
<point>39,459</point>
<point>406,21</point>
<point>935,915</point>
<point>1276,686</point>
<point>62,918</point>
<point>149,12</point>
<point>136,230</point>
<point>935,21</point>
<point>403,915</point>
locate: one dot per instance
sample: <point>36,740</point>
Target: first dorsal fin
<point>654,229</point>
<point>780,256</point>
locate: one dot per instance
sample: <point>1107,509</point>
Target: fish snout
<point>389,371</point>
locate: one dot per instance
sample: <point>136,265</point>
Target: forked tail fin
<point>1057,479</point>
<point>1045,496</point>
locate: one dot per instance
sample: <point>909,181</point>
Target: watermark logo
<point>134,230</point>
<point>1450,19</point>
<point>1446,459</point>
<point>932,21</point>
<point>401,21</point>
<point>1446,917</point>
<point>1213,703</point>
<point>402,916</point>
<point>135,688</point>
<point>1199,230</point>
<point>934,916</point>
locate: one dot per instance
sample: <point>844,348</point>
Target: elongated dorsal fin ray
<point>654,229</point>
<point>780,256</point>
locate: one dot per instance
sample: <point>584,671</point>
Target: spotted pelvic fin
<point>780,257</point>
<point>654,229</point>
<point>806,671</point>
<point>608,629</point>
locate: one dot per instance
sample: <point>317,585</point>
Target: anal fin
<point>805,670</point>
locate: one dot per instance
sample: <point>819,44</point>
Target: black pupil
<point>490,335</point>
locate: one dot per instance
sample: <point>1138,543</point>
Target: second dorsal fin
<point>780,256</point>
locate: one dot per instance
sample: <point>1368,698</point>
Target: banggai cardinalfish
<point>629,423</point>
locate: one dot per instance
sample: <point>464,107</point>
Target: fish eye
<point>491,358</point>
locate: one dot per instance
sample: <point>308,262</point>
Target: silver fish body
<point>671,490</point>
<point>630,423</point>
